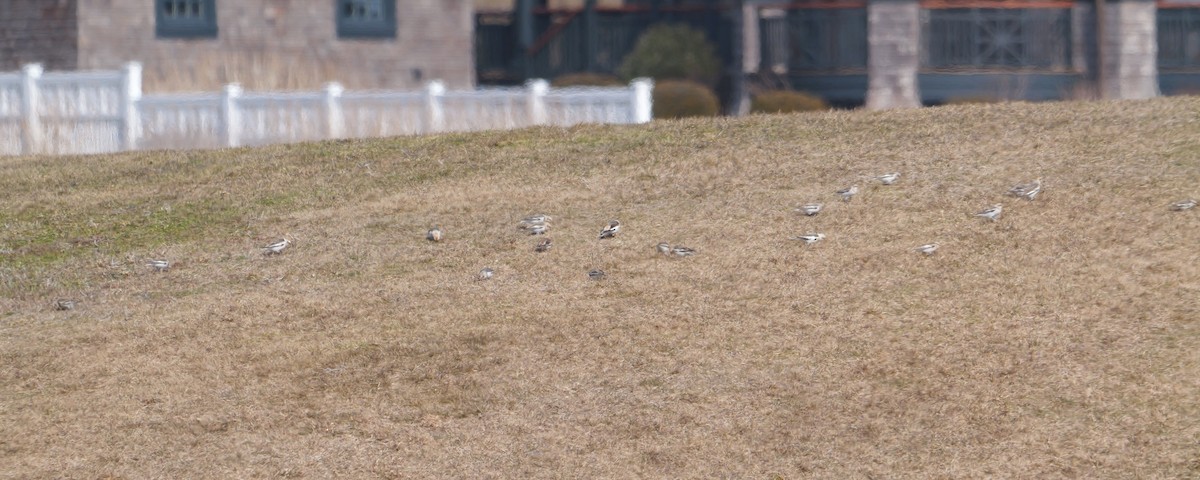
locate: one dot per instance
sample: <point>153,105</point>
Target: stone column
<point>1129,50</point>
<point>893,53</point>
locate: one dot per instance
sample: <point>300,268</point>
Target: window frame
<point>348,28</point>
<point>203,26</point>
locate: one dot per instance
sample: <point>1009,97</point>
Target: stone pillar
<point>1129,50</point>
<point>893,53</point>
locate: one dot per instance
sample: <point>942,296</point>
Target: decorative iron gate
<point>993,38</point>
<point>1179,39</point>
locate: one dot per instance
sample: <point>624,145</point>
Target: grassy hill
<point>1061,341</point>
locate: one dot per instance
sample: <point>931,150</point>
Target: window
<point>185,18</point>
<point>366,18</point>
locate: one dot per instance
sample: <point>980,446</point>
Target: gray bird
<point>159,265</point>
<point>663,248</point>
<point>1184,205</point>
<point>991,213</point>
<point>543,245</point>
<point>64,304</point>
<point>434,234</point>
<point>848,192</point>
<point>1027,190</point>
<point>889,178</point>
<point>485,274</point>
<point>682,251</point>
<point>928,248</point>
<point>611,230</point>
<point>596,274</point>
<point>277,247</point>
<point>810,209</point>
<point>810,238</point>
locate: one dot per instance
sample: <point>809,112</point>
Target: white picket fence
<point>96,112</point>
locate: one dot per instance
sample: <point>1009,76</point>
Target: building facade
<point>262,44</point>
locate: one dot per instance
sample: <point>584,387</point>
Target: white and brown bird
<point>1027,190</point>
<point>810,209</point>
<point>611,230</point>
<point>539,229</point>
<point>64,304</point>
<point>928,248</point>
<point>596,274</point>
<point>848,192</point>
<point>888,178</point>
<point>682,251</point>
<point>159,265</point>
<point>485,274</point>
<point>992,213</point>
<point>536,219</point>
<point>277,247</point>
<point>663,248</point>
<point>543,245</point>
<point>810,238</point>
<point>434,234</point>
<point>1184,205</point>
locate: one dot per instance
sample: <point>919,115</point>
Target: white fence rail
<point>95,112</point>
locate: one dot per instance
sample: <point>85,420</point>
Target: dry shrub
<point>786,101</point>
<point>672,52</point>
<point>587,79</point>
<point>679,98</point>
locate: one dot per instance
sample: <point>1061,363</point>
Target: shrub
<point>785,101</point>
<point>672,52</point>
<point>585,79</point>
<point>681,98</point>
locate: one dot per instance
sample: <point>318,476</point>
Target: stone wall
<point>37,31</point>
<point>1129,66</point>
<point>282,44</point>
<point>893,57</point>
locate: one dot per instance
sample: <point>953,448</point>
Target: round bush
<point>681,98</point>
<point>585,79</point>
<point>786,101</point>
<point>672,52</point>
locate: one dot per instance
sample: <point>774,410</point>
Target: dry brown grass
<point>1061,342</point>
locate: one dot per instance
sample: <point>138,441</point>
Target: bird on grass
<point>611,230</point>
<point>663,248</point>
<point>539,229</point>
<point>543,245</point>
<point>159,265</point>
<point>810,238</point>
<point>889,178</point>
<point>928,248</point>
<point>810,209</point>
<point>277,247</point>
<point>848,192</point>
<point>434,234</point>
<point>596,274</point>
<point>682,251</point>
<point>991,213</point>
<point>535,219</point>
<point>485,274</point>
<point>64,304</point>
<point>1027,190</point>
<point>1184,205</point>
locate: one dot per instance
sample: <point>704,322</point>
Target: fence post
<point>31,120</point>
<point>538,88</point>
<point>643,99</point>
<point>131,92</point>
<point>434,110</point>
<point>231,118</point>
<point>335,121</point>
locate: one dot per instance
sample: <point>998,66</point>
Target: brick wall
<point>283,44</point>
<point>37,31</point>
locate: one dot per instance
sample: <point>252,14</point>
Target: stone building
<point>262,44</point>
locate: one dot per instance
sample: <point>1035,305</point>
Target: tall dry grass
<point>1062,341</point>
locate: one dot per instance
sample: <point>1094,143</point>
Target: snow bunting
<point>539,229</point>
<point>810,209</point>
<point>1027,190</point>
<point>992,213</point>
<point>682,251</point>
<point>434,234</point>
<point>928,248</point>
<point>1183,205</point>
<point>277,247</point>
<point>485,274</point>
<point>543,245</point>
<point>810,238</point>
<point>663,248</point>
<point>596,274</point>
<point>536,219</point>
<point>611,230</point>
<point>848,192</point>
<point>889,178</point>
<point>159,265</point>
<point>64,304</point>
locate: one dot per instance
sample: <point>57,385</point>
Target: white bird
<point>159,265</point>
<point>277,247</point>
<point>810,209</point>
<point>64,304</point>
<point>536,219</point>
<point>928,248</point>
<point>596,274</point>
<point>889,178</point>
<point>539,229</point>
<point>543,245</point>
<point>434,234</point>
<point>1027,190</point>
<point>485,274</point>
<point>848,192</point>
<point>611,230</point>
<point>1183,205</point>
<point>991,213</point>
<point>682,251</point>
<point>663,248</point>
<point>810,238</point>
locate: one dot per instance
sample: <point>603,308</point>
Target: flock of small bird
<point>540,225</point>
